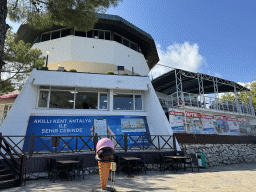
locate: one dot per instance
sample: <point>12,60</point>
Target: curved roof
<point>106,22</point>
<point>166,83</point>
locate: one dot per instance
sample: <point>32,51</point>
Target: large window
<point>56,97</point>
<point>72,98</point>
<point>127,100</point>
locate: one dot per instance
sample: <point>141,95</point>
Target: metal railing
<point>38,145</point>
<point>11,156</point>
<point>206,102</point>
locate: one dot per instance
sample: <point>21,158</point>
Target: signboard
<point>193,122</point>
<point>115,126</point>
<point>176,120</point>
<point>208,124</point>
<point>233,126</point>
<point>221,125</point>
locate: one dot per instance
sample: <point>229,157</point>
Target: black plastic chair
<point>141,166</point>
<point>120,163</point>
<point>165,163</point>
<point>79,167</point>
<point>192,161</point>
<point>56,169</point>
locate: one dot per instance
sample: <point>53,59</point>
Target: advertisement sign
<point>233,126</point>
<point>84,126</point>
<point>221,124</point>
<point>176,119</point>
<point>244,126</point>
<point>208,124</point>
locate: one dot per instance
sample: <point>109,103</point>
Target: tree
<point>19,61</point>
<point>244,96</point>
<point>42,14</point>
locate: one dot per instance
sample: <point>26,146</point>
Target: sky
<point>213,37</point>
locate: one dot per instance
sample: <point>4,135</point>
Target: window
<point>43,98</point>
<point>89,34</point>
<point>55,35</point>
<point>117,38</point>
<point>96,34</point>
<point>46,37</point>
<point>134,46</point>
<point>127,100</point>
<point>86,100</point>
<point>61,99</point>
<point>126,42</point>
<point>80,33</point>
<point>101,36</point>
<point>107,35</point>
<point>103,101</point>
<point>65,32</point>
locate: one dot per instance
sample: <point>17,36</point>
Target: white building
<point>57,103</point>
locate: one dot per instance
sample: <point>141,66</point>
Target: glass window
<point>80,33</point>
<point>81,89</point>
<point>123,102</point>
<point>63,88</point>
<point>65,32</point>
<point>134,46</point>
<point>107,35</point>
<point>86,100</point>
<point>46,37</point>
<point>89,34</point>
<point>122,91</point>
<point>103,100</point>
<point>96,34</point>
<point>117,38</point>
<point>44,87</point>
<point>43,99</point>
<point>101,36</point>
<point>62,99</point>
<point>125,42</point>
<point>55,35</point>
<point>138,102</point>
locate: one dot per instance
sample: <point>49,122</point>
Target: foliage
<point>19,61</point>
<point>125,74</point>
<point>73,70</point>
<point>44,68</point>
<point>42,14</point>
<point>244,96</point>
<point>110,73</point>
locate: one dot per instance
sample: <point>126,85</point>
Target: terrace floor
<point>236,177</point>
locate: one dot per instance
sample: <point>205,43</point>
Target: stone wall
<point>222,154</point>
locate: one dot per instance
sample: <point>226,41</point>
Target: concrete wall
<point>93,51</point>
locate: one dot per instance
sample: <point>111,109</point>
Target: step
<point>6,177</point>
<point>4,172</point>
<point>9,183</point>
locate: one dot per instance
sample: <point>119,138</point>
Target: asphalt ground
<point>236,177</point>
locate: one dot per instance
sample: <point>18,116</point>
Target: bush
<point>137,75</point>
<point>73,70</point>
<point>110,73</point>
<point>125,74</point>
<point>44,68</point>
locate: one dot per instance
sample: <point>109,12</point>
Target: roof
<point>106,22</point>
<point>166,83</point>
<point>8,96</point>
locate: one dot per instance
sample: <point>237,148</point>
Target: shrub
<point>110,73</point>
<point>44,68</point>
<point>73,70</point>
<point>125,74</point>
<point>137,75</point>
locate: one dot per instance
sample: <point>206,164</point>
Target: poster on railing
<point>208,124</point>
<point>221,125</point>
<point>176,119</point>
<point>70,127</point>
<point>244,126</point>
<point>233,126</point>
<point>193,122</point>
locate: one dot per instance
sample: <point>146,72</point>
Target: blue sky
<point>214,37</point>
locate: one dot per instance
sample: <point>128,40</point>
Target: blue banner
<point>84,126</point>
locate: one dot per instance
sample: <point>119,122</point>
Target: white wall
<point>93,50</point>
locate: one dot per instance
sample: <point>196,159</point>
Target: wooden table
<point>128,159</point>
<point>177,158</point>
<point>69,164</point>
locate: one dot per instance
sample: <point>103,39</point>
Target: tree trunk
<point>3,29</point>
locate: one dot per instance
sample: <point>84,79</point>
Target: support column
<point>215,85</point>
<point>236,99</point>
<point>179,91</point>
<point>201,89</point>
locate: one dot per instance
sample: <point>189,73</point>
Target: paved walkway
<point>237,177</point>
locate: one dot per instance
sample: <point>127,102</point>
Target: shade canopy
<point>166,83</point>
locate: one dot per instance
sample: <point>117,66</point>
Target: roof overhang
<point>166,83</point>
<point>107,22</point>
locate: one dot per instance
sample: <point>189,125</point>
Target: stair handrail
<point>19,168</point>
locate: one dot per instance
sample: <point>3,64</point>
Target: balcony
<point>203,102</point>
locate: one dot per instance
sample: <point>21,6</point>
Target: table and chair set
<point>65,169</point>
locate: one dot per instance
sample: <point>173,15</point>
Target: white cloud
<point>182,56</point>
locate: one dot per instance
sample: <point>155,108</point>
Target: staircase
<point>11,174</point>
<point>7,179</point>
